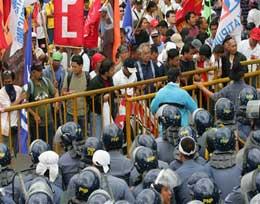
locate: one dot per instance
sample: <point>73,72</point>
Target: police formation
<point>210,161</point>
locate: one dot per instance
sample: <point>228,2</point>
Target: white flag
<point>29,2</point>
<point>17,25</point>
<point>230,23</point>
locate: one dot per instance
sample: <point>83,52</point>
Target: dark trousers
<point>14,138</point>
<point>42,133</point>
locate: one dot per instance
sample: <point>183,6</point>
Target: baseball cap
<point>196,43</point>
<point>36,66</point>
<point>56,56</point>
<point>255,34</point>
<point>177,39</point>
<point>154,33</point>
<point>154,23</point>
<point>130,65</point>
<point>101,158</point>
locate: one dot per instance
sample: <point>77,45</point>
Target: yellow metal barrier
<point>149,97</point>
<point>60,115</point>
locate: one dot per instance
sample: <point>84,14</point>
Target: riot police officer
<point>148,140</point>
<point>36,148</point>
<point>148,196</point>
<point>206,191</point>
<point>202,121</point>
<point>121,166</point>
<point>71,137</point>
<point>149,178</point>
<point>6,173</point>
<point>222,163</point>
<point>144,160</point>
<point>244,125</point>
<point>187,148</point>
<point>116,187</point>
<point>91,145</point>
<point>187,131</point>
<point>82,185</point>
<point>171,122</point>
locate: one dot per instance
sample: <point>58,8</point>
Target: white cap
<point>131,70</point>
<point>101,158</point>
<point>48,161</point>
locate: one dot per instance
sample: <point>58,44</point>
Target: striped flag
<point>128,21</point>
<point>26,78</point>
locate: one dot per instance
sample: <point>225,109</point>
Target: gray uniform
<point>69,166</point>
<point>121,166</point>
<point>118,186</point>
<point>224,171</point>
<point>6,176</point>
<point>57,192</point>
<point>165,150</point>
<point>187,168</point>
<point>235,197</point>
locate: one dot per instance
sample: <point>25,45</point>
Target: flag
<point>230,23</point>
<point>117,39</point>
<point>17,25</point>
<point>91,27</point>
<point>26,78</point>
<point>3,43</point>
<point>29,2</point>
<point>68,22</point>
<point>187,6</point>
<point>128,21</point>
<point>206,12</point>
<point>6,10</point>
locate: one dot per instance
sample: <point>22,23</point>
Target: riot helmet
<point>225,110</point>
<point>69,133</point>
<point>101,159</point>
<point>251,160</point>
<point>225,140</point>
<point>210,139</point>
<point>171,117</point>
<point>40,192</point>
<point>202,120</point>
<point>37,147</point>
<point>146,141</point>
<point>5,155</point>
<point>145,159</point>
<point>187,131</point>
<point>192,180</point>
<point>113,137</point>
<point>245,95</point>
<point>99,197</point>
<point>206,191</point>
<point>88,181</point>
<point>255,199</point>
<point>148,196</point>
<point>91,145</point>
<point>255,137</point>
<point>150,177</point>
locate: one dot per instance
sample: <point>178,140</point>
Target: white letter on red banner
<point>68,22</point>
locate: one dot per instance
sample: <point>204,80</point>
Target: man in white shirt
<point>137,10</point>
<point>254,15</point>
<point>126,75</point>
<point>250,47</point>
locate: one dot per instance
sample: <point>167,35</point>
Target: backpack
<point>70,76</point>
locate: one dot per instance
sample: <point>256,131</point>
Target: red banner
<point>68,22</point>
<point>92,25</point>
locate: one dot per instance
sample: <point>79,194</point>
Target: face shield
<point>168,178</point>
<point>171,135</point>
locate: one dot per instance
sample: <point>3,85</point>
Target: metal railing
<point>59,105</point>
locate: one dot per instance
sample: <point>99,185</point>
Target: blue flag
<point>26,78</point>
<point>128,21</point>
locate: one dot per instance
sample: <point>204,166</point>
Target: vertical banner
<point>68,22</point>
<point>17,25</point>
<point>230,23</point>
<point>117,39</point>
<point>91,27</point>
<point>128,21</point>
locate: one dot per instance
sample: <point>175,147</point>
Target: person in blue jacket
<point>174,95</point>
